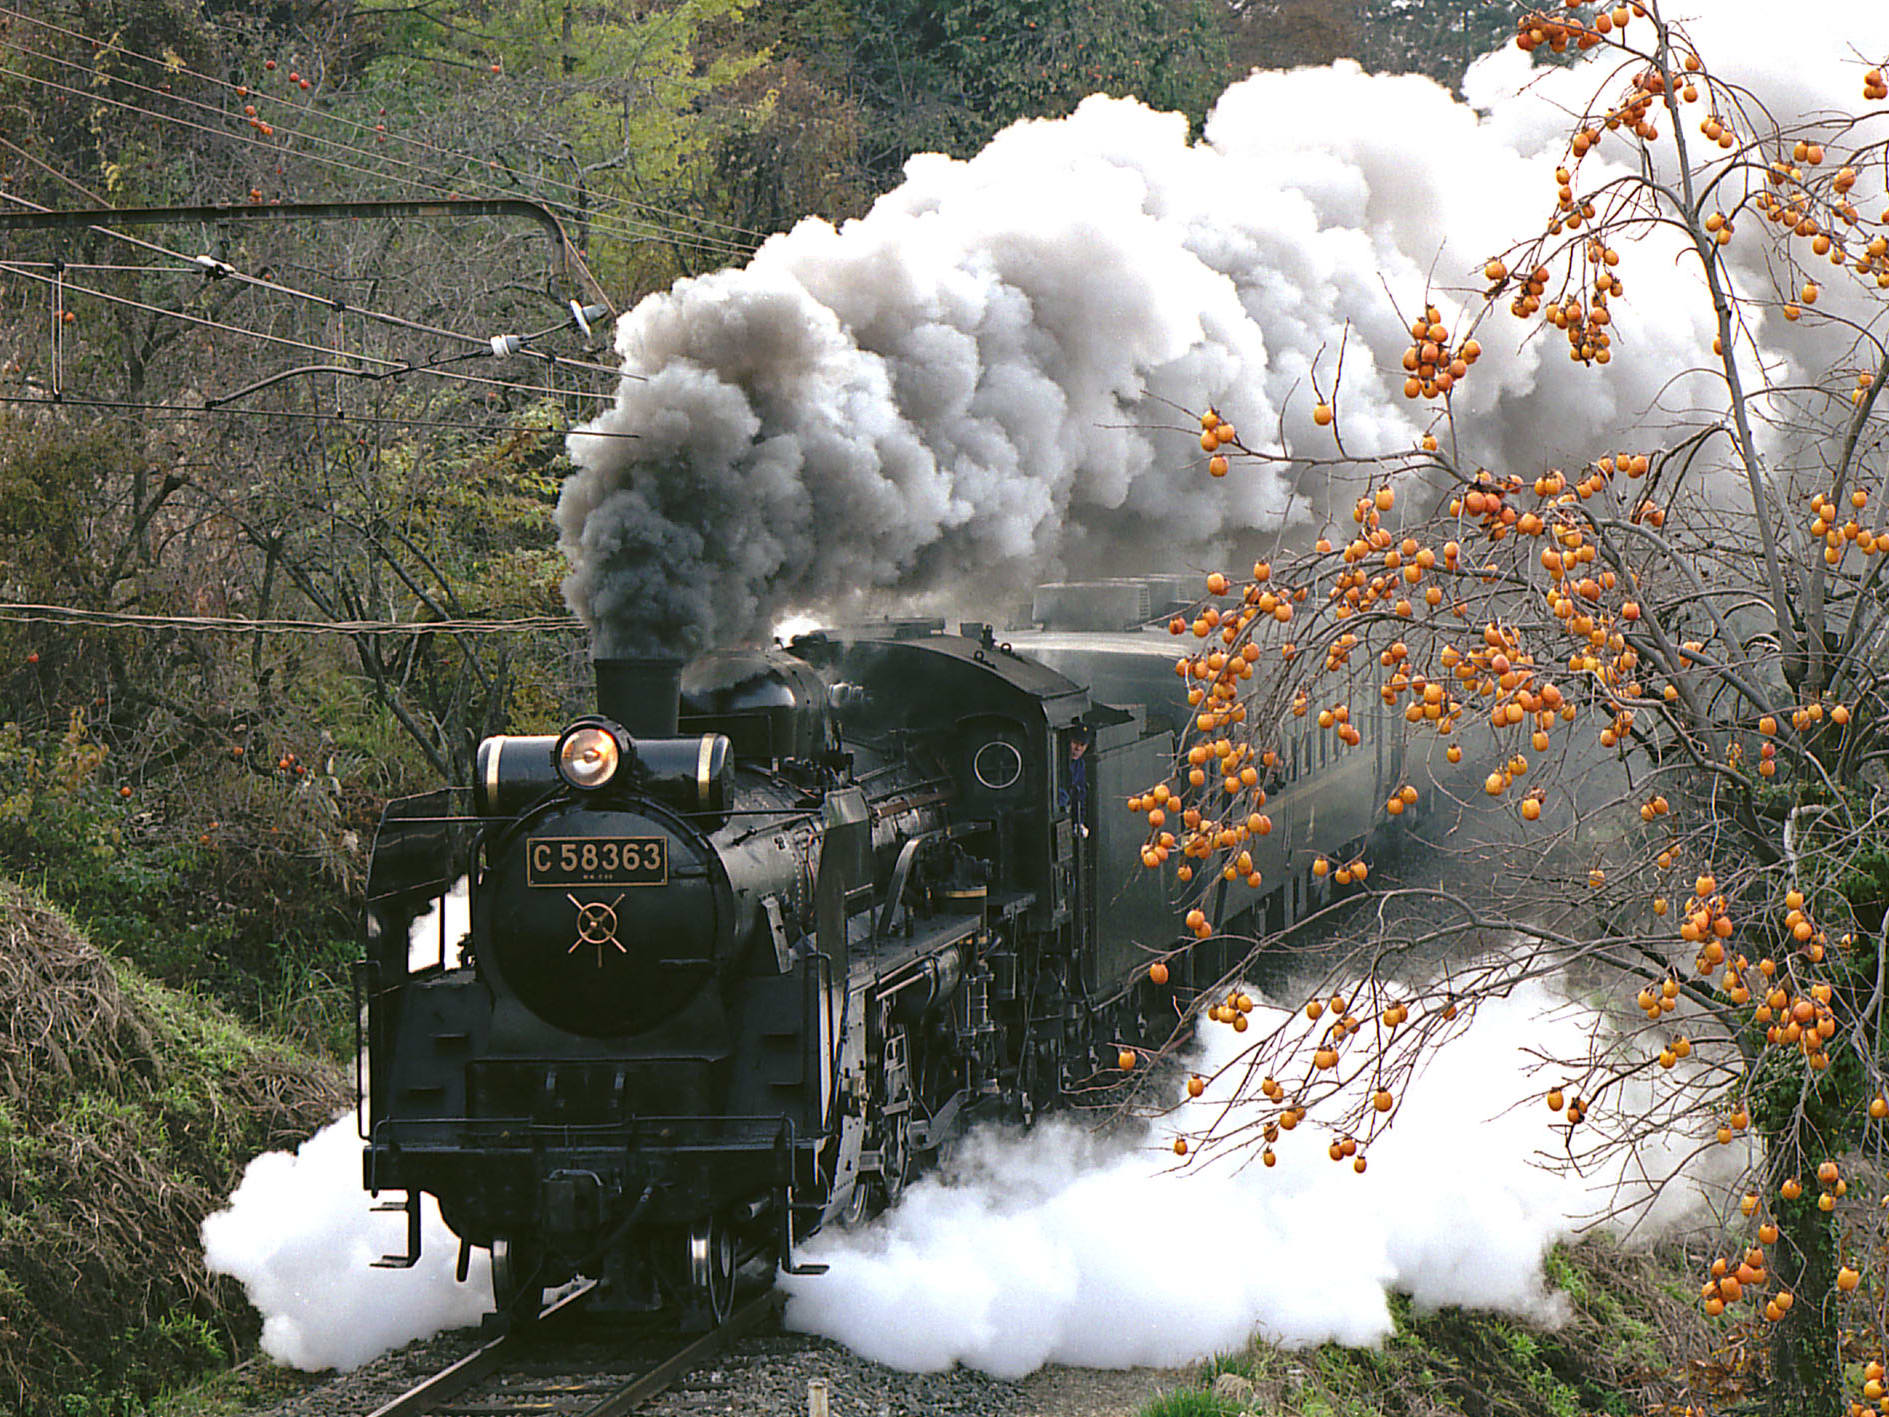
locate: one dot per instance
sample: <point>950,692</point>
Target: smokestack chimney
<point>642,694</point>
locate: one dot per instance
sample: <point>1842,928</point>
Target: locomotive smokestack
<point>643,694</point>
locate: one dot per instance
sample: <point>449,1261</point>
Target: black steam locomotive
<point>751,943</point>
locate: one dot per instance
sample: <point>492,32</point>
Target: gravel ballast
<point>768,1374</point>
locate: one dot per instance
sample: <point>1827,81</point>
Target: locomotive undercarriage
<point>954,1014</point>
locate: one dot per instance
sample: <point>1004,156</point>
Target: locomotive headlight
<point>588,756</point>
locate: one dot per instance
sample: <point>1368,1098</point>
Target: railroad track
<point>547,1371</point>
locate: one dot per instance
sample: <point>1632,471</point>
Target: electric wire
<point>103,266</point>
<point>435,182</point>
<point>394,367</point>
<point>188,318</point>
<point>299,415</point>
<point>224,270</point>
<point>27,613</point>
<point>243,91</point>
<point>340,416</point>
<point>207,268</point>
<point>427,179</point>
<point>438,188</point>
<point>228,271</point>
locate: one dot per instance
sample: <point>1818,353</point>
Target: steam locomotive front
<point>567,1091</point>
<point>603,907</point>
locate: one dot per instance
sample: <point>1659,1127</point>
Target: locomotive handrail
<point>785,1143</point>
<point>362,1102</point>
<point>823,982</point>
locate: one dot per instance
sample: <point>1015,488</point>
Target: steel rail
<point>475,1367</point>
<point>493,1356</point>
<point>635,1393</point>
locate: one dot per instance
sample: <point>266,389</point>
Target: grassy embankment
<point>127,1112</point>
<point>1634,1343</point>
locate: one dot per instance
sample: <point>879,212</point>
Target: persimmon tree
<point>1648,691</point>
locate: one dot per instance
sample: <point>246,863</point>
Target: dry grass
<point>126,1114</point>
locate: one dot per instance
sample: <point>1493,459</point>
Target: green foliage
<point>172,1350</point>
<point>634,98</point>
<point>1438,38</point>
<point>61,822</point>
<point>1864,883</point>
<point>1631,1341</point>
<point>1631,1319</point>
<point>1441,38</point>
<point>279,955</point>
<point>947,77</point>
<point>94,142</point>
<point>1190,1404</point>
<point>46,486</point>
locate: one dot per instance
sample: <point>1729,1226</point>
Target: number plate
<point>597,861</point>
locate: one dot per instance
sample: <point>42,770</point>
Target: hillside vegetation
<point>127,1112</point>
<point>1630,1342</point>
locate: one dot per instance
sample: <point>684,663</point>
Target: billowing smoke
<point>1050,1246</point>
<point>301,1236</point>
<point>979,384</point>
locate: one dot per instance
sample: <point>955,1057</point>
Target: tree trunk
<point>1805,1374</point>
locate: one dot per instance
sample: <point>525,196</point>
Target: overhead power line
<point>499,346</point>
<point>391,420</point>
<point>564,253</point>
<point>443,182</point>
<point>565,257</point>
<point>309,109</point>
<point>213,268</point>
<point>389,367</point>
<point>18,612</point>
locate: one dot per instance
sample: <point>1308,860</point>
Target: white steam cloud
<point>1051,1247</point>
<point>975,386</point>
<point>301,1237</point>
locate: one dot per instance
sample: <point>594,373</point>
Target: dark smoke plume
<point>980,384</point>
